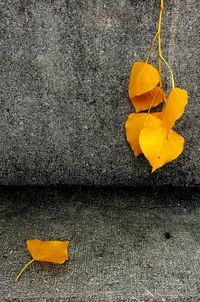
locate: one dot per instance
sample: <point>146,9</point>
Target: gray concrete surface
<point>118,249</point>
<point>64,70</point>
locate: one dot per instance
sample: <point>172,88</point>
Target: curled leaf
<point>134,124</point>
<point>144,77</point>
<point>160,146</point>
<point>149,99</point>
<point>175,106</point>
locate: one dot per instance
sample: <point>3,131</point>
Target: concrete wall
<point>63,81</point>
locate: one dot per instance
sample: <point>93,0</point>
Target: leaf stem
<point>23,269</point>
<point>151,48</point>
<point>159,43</point>
<point>161,58</point>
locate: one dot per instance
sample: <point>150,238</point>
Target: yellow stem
<point>151,48</point>
<point>160,70</point>
<point>151,105</point>
<point>24,268</point>
<point>170,70</point>
<point>159,46</point>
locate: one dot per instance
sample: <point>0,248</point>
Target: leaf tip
<point>153,170</point>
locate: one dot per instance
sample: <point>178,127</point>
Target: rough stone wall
<point>64,72</point>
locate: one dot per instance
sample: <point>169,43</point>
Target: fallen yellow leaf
<point>134,124</point>
<point>149,99</point>
<point>144,77</point>
<point>48,251</point>
<point>160,145</point>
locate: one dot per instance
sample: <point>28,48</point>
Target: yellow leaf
<point>144,77</point>
<point>160,146</point>
<point>49,251</point>
<point>149,99</point>
<point>134,124</point>
<point>175,106</point>
<point>158,115</point>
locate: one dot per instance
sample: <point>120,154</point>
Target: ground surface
<point>118,245</point>
<point>64,72</point>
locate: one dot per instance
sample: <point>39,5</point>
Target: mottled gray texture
<point>64,71</point>
<point>118,250</point>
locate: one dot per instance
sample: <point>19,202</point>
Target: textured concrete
<point>118,245</point>
<point>64,70</point>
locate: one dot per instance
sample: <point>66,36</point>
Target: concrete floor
<point>118,245</point>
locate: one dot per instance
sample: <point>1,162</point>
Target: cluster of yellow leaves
<point>46,251</point>
<point>148,133</point>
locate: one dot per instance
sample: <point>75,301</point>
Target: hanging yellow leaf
<point>175,106</point>
<point>144,77</point>
<point>160,146</point>
<point>47,251</point>
<point>158,115</point>
<point>149,99</point>
<point>134,124</point>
